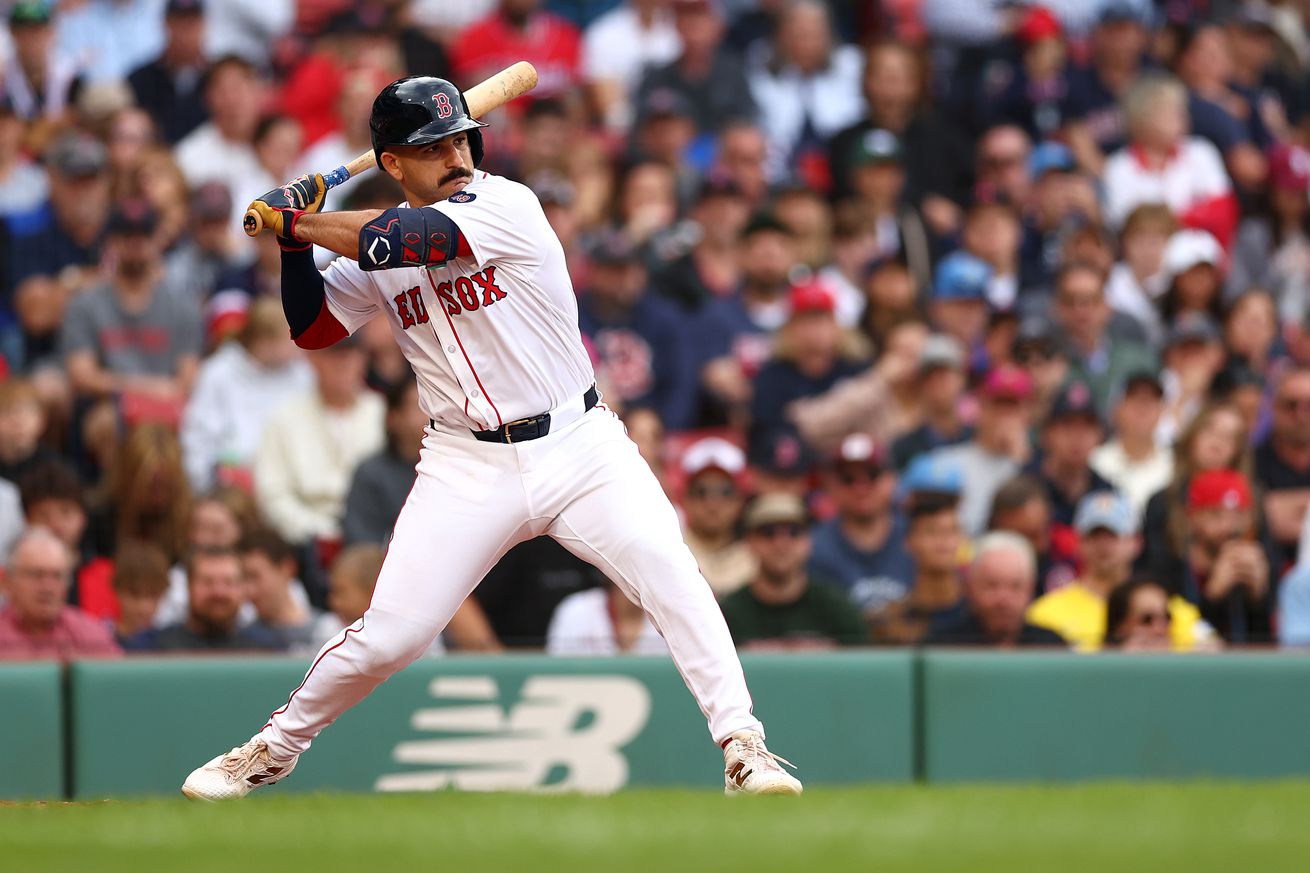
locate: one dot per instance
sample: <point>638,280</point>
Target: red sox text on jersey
<point>463,294</point>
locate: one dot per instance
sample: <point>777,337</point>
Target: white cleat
<point>750,768</point>
<point>237,773</point>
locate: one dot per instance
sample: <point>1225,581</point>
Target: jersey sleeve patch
<point>462,197</point>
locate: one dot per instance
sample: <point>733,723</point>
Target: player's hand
<point>306,193</point>
<point>277,212</point>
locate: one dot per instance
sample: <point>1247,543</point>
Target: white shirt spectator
<point>11,518</point>
<point>111,38</point>
<point>233,399</point>
<point>205,156</point>
<point>246,28</point>
<point>1136,299</point>
<point>582,625</point>
<point>615,47</point>
<point>306,458</point>
<point>1136,481</point>
<point>449,16</point>
<point>829,101</point>
<point>1193,175</point>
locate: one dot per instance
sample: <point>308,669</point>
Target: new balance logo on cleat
<point>750,768</point>
<point>261,778</point>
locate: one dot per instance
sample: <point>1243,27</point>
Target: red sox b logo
<point>464,294</point>
<point>444,108</point>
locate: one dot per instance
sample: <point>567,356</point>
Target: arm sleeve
<point>324,307</point>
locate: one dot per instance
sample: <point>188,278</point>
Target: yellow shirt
<point>1077,613</point>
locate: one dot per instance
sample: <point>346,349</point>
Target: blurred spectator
<point>350,589</point>
<point>277,142</point>
<point>246,28</point>
<point>1096,125</point>
<point>1137,282</point>
<point>23,184</point>
<point>210,249</point>
<point>1022,505</point>
<point>997,591</point>
<point>742,157</point>
<point>1002,167</point>
<point>1098,357</point>
<point>1193,281</point>
<point>1132,461</point>
<point>39,78</point>
<point>933,539</point>
<point>782,608</point>
<point>36,621</point>
<point>513,605</point>
<point>110,39</point>
<point>992,233</point>
<point>22,421</point>
<point>222,149</point>
<point>618,46</point>
<point>1272,249</point>
<point>1063,203</point>
<point>310,448</point>
<point>382,482</point>
<point>1193,356</point>
<point>861,550</point>
<point>239,388</point>
<point>217,520</point>
<point>282,608</point>
<point>1223,569</point>
<point>711,268</point>
<point>1163,164</point>
<point>1218,114</point>
<point>939,383</point>
<point>709,77</point>
<point>62,239</point>
<point>807,361</point>
<point>1108,542</point>
<point>351,135</point>
<point>937,161</point>
<point>712,503</point>
<point>998,448</point>
<point>1039,353</point>
<point>146,495</point>
<point>519,30</point>
<point>1071,432</point>
<point>807,90</point>
<point>53,498</point>
<point>638,337</point>
<point>1251,331</point>
<point>1282,463</point>
<point>215,594</point>
<point>733,334</point>
<point>781,465</point>
<point>1256,76</point>
<point>133,337</point>
<point>1035,96</point>
<point>168,86</point>
<point>140,580</point>
<point>959,298</point>
<point>1138,618</point>
<point>878,185</point>
<point>664,132</point>
<point>602,621</point>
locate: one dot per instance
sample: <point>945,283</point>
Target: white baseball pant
<point>583,484</point>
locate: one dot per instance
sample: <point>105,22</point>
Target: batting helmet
<point>418,110</point>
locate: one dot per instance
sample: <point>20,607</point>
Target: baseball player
<point>472,280</point>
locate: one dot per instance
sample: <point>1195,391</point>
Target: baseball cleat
<point>237,773</point>
<point>750,768</point>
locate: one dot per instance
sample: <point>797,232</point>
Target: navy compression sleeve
<point>304,301</point>
<point>409,238</point>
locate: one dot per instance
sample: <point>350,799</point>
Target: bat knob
<point>251,223</point>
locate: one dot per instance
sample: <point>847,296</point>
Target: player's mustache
<point>455,176</point>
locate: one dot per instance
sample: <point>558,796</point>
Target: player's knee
<point>392,643</point>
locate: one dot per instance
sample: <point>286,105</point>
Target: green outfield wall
<point>137,727</point>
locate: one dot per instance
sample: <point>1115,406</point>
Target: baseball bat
<point>513,81</point>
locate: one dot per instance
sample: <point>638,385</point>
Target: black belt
<point>529,428</point>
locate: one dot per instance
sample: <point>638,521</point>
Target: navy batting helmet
<point>418,110</point>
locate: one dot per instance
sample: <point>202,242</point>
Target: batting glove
<point>277,210</point>
<point>306,193</point>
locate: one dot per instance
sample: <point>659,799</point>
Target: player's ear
<point>392,167</point>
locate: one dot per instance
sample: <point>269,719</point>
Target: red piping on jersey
<point>476,378</point>
<point>317,661</point>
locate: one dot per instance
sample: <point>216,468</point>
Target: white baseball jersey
<point>492,338</point>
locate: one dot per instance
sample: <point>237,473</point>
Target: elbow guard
<point>407,238</point>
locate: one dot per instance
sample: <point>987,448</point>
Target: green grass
<point>1106,828</point>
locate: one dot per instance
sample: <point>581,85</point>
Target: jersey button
<point>475,393</point>
<point>450,349</point>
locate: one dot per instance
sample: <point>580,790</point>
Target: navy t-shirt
<point>1211,121</point>
<point>870,579</point>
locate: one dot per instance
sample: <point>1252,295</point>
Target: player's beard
<point>133,269</point>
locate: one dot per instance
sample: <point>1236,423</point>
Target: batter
<point>472,280</point>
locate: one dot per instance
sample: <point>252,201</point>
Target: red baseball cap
<point>1289,168</point>
<point>1009,382</point>
<point>1214,489</point>
<point>811,297</point>
<point>1038,23</point>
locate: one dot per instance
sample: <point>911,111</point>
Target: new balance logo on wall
<point>565,733</point>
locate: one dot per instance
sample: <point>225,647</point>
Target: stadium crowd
<point>943,323</point>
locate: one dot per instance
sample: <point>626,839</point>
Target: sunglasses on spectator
<point>1029,356</point>
<point>789,529</point>
<point>705,492</point>
<point>852,475</point>
<point>1000,162</point>
<point>1151,619</point>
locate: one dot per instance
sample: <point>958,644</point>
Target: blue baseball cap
<point>1105,510</point>
<point>961,276</point>
<point>1051,157</point>
<point>927,472</point>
